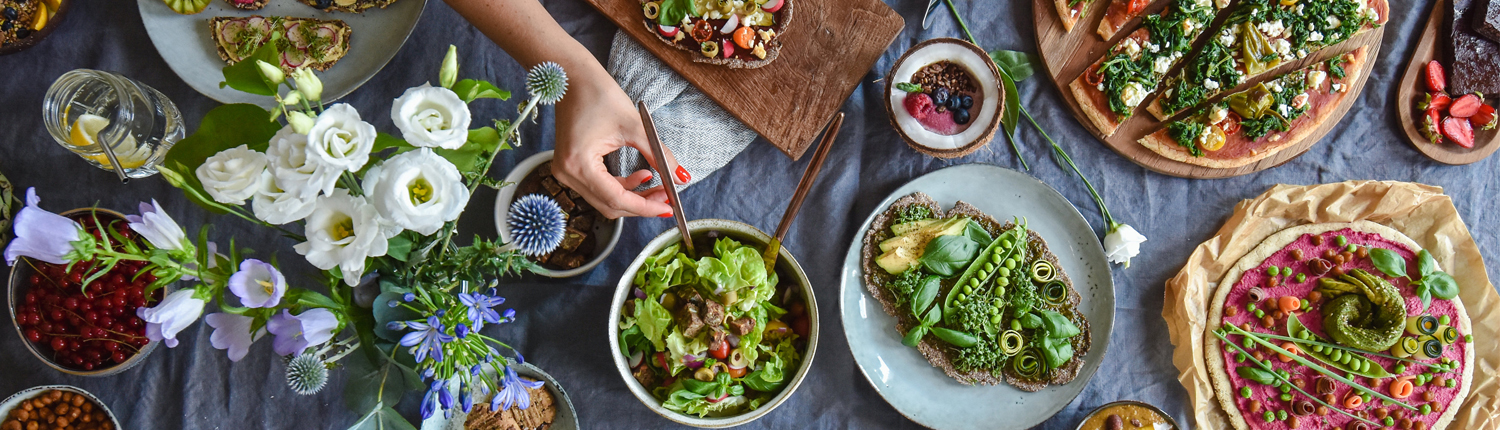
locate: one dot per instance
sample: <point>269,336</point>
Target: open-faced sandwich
<point>982,300</point>
<point>1259,122</point>
<point>247,4</point>
<point>314,43</point>
<point>739,34</point>
<point>1259,36</point>
<point>353,6</point>
<point>1109,91</point>
<point>1339,326</point>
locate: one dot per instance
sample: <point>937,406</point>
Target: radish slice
<point>294,36</point>
<point>731,24</point>
<point>327,31</point>
<point>720,399</point>
<point>772,6</point>
<point>727,49</point>
<point>293,58</point>
<point>231,30</point>
<point>635,359</point>
<point>668,31</point>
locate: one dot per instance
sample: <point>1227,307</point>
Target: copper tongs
<point>660,155</point>
<point>809,177</point>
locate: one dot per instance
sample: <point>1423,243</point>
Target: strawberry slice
<point>1437,80</point>
<point>1466,106</point>
<point>1438,101</point>
<point>1459,130</point>
<point>1430,120</point>
<point>1485,119</point>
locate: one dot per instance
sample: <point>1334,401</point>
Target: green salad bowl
<point>786,267</point>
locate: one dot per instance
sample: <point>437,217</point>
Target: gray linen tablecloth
<point>561,323</point>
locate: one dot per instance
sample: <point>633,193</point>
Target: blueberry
<point>6,26</point>
<point>953,103</point>
<point>966,102</point>
<point>961,116</point>
<point>940,96</point>
<point>324,4</point>
<point>10,13</point>
<point>23,32</point>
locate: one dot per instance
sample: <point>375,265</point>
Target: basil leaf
<point>1257,375</point>
<point>909,87</point>
<point>1426,265</point>
<point>914,336</point>
<point>933,316</point>
<point>1031,321</point>
<point>1017,64</point>
<point>1442,285</point>
<point>955,337</point>
<point>1388,261</point>
<point>947,255</point>
<point>977,234</point>
<point>1058,326</point>
<point>673,11</point>
<point>926,293</point>
<point>1057,351</point>
<point>1425,293</point>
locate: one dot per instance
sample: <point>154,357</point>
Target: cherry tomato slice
<point>1136,6</point>
<point>719,350</point>
<point>1231,123</point>
<point>1092,76</point>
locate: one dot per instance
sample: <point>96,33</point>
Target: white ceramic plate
<point>183,41</point>
<point>922,392</point>
<point>15,400</point>
<point>567,418</point>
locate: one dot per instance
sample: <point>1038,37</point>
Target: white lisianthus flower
<point>339,139</point>
<point>342,232</point>
<point>232,175</point>
<point>297,171</point>
<point>417,190</point>
<point>277,206</point>
<point>431,116</point>
<point>1122,243</point>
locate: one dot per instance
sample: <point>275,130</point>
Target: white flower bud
<point>449,73</point>
<point>271,73</point>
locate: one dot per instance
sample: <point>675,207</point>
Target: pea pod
<point>990,254</point>
<point>1336,358</point>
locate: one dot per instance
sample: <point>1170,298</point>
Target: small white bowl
<point>742,232</point>
<point>566,419</point>
<point>15,400</point>
<point>606,231</point>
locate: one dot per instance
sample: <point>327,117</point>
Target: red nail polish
<point>647,178</point>
<point>682,175</point>
<point>669,200</point>
<point>665,215</point>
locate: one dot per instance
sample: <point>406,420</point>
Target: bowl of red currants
<point>86,330</point>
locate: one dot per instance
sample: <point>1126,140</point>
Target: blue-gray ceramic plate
<point>924,393</point>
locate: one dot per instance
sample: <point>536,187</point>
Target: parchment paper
<point>1422,212</point>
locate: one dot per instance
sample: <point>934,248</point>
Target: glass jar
<point>87,109</point>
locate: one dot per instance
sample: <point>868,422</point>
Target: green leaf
<point>470,90</point>
<point>399,246</point>
<point>1426,265</point>
<point>1057,351</point>
<point>1443,285</point>
<point>1389,262</point>
<point>909,87</point>
<point>312,299</point>
<point>976,233</point>
<point>1424,292</point>
<point>925,294</point>
<point>654,321</point>
<point>384,313</point>
<point>224,127</point>
<point>673,11</point>
<point>1011,115</point>
<point>1017,64</point>
<point>382,417</point>
<point>1256,374</point>
<point>1057,325</point>
<point>946,255</point>
<point>933,316</point>
<point>245,75</point>
<point>914,336</point>
<point>955,337</point>
<point>482,142</point>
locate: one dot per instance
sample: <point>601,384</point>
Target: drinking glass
<point>112,121</point>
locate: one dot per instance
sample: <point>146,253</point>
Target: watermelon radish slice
<point>772,6</point>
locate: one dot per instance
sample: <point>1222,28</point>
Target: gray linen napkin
<point>699,133</point>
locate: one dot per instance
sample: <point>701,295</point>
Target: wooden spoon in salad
<point>662,167</point>
<point>809,176</point>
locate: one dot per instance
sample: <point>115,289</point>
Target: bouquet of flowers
<point>374,209</point>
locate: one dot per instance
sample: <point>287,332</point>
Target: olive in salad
<point>714,336</point>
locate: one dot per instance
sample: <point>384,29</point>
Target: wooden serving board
<point>1067,54</point>
<point>1413,91</point>
<point>828,47</point>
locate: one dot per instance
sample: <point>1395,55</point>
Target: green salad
<point>716,336</point>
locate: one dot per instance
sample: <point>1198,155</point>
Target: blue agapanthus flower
<point>430,399</point>
<point>537,224</point>
<point>426,338</point>
<point>513,391</point>
<point>481,308</point>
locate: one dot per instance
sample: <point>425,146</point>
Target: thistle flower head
<point>547,82</point>
<point>536,224</point>
<point>306,374</point>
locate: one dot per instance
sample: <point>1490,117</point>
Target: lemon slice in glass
<point>85,134</point>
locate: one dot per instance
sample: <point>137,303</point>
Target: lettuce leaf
<point>678,346</point>
<point>654,320</point>
<point>737,267</point>
<point>665,269</point>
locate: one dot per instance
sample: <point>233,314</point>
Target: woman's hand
<point>596,119</point>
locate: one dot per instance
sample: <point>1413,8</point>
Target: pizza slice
<point>1070,11</point>
<point>1259,36</point>
<point>352,6</point>
<point>1109,91</point>
<point>304,42</point>
<point>1250,125</point>
<point>1120,12</point>
<point>738,34</point>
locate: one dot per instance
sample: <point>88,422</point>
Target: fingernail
<point>647,178</point>
<point>682,175</point>
<point>669,200</point>
<point>665,215</point>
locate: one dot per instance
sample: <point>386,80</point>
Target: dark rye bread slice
<point>247,5</point>
<point>773,48</point>
<point>351,6</point>
<point>936,351</point>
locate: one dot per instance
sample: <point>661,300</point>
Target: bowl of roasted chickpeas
<point>56,407</point>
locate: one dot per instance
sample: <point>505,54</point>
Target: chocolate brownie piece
<point>1475,60</point>
<point>1488,24</point>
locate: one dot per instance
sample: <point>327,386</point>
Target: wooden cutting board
<point>1413,91</point>
<point>1067,54</point>
<point>829,46</point>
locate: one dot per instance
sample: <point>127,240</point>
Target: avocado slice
<point>898,261</point>
<point>908,227</point>
<point>916,240</point>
